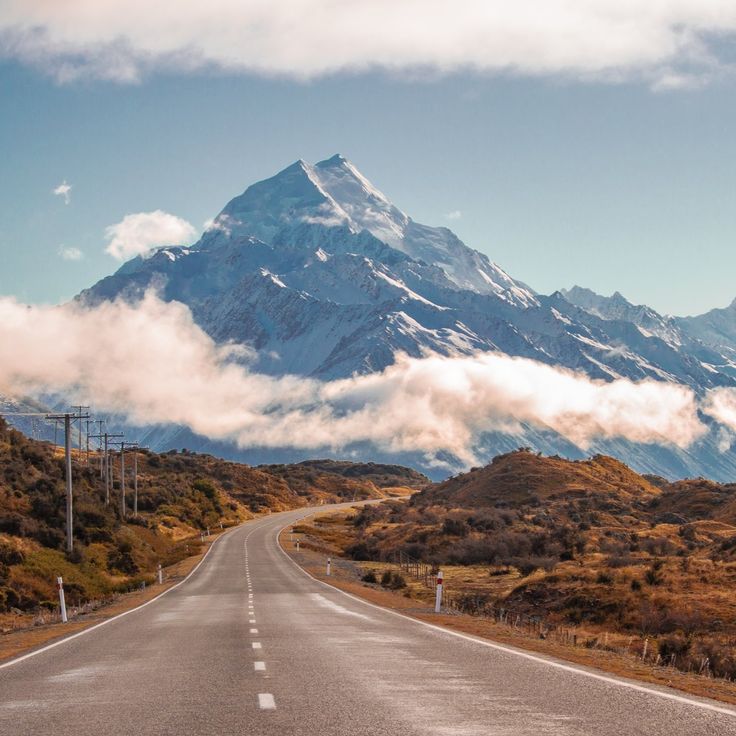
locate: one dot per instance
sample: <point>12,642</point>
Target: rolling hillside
<point>180,495</point>
<point>573,543</point>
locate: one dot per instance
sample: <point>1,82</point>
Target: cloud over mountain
<point>137,234</point>
<point>150,363</point>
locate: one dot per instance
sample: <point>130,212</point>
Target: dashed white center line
<point>251,621</point>
<point>256,645</point>
<point>259,666</point>
<point>266,701</point>
<point>254,631</point>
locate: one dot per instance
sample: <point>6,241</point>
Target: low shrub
<point>393,580</point>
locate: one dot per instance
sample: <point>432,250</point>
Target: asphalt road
<point>250,644</point>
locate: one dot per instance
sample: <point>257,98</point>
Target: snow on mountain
<point>617,307</point>
<point>323,276</point>
<point>333,193</point>
<point>716,328</point>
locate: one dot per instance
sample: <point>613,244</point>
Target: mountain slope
<point>716,328</point>
<point>324,277</point>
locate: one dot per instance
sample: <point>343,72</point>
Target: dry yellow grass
<point>25,636</point>
<point>333,532</point>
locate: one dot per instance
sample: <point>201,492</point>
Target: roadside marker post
<point>438,593</point>
<point>297,545</point>
<point>62,602</point>
<point>329,567</point>
<point>160,574</point>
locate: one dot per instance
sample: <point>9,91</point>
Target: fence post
<point>438,593</point>
<point>62,602</point>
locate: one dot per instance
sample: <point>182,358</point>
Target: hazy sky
<point>608,163</point>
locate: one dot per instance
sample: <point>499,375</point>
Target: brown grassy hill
<point>333,476</point>
<point>588,543</point>
<point>526,477</point>
<point>699,499</point>
<point>179,495</point>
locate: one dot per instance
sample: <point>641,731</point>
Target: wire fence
<point>480,605</point>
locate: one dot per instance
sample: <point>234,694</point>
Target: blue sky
<point>612,183</point>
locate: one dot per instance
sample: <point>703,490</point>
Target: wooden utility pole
<point>105,438</point>
<point>67,419</point>
<point>78,414</point>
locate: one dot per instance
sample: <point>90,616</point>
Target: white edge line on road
<point>46,648</point>
<point>511,650</point>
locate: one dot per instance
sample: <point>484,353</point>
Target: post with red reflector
<point>438,593</point>
<point>329,566</point>
<point>62,602</point>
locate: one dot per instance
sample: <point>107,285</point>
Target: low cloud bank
<point>150,363</point>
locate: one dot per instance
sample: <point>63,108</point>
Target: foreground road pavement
<point>250,644</point>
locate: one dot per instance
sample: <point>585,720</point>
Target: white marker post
<point>297,545</point>
<point>329,567</point>
<point>438,593</point>
<point>160,574</point>
<point>62,602</point>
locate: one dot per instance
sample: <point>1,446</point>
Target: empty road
<point>250,644</point>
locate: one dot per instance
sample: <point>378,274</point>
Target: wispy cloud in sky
<point>152,364</point>
<point>611,39</point>
<point>138,233</point>
<point>70,253</point>
<point>63,190</point>
<point>453,215</point>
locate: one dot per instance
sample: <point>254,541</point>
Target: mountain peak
<point>332,201</point>
<point>337,160</point>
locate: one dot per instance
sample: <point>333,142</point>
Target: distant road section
<point>250,644</point>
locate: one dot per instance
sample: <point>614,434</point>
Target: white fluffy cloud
<point>152,364</point>
<point>70,253</point>
<point>63,190</point>
<point>667,41</point>
<point>721,405</point>
<point>137,234</point>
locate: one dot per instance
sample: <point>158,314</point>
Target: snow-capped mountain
<point>319,272</point>
<point>716,328</point>
<point>617,307</point>
<point>297,206</point>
